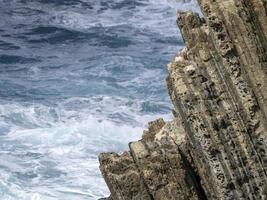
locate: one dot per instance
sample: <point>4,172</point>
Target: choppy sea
<point>78,77</point>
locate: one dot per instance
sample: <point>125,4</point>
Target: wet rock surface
<point>215,148</point>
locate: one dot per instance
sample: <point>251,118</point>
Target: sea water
<point>77,78</point>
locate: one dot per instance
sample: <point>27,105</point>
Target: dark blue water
<point>78,77</point>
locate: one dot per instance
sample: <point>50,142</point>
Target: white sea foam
<point>83,97</point>
<point>49,144</point>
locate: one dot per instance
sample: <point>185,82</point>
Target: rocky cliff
<point>215,148</point>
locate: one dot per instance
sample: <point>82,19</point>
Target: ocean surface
<point>78,77</point>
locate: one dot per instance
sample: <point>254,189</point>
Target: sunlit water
<point>78,77</point>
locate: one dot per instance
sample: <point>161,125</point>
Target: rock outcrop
<point>215,148</point>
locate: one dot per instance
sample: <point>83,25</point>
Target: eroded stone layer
<point>216,146</point>
<point>122,177</point>
<point>225,122</point>
<point>156,167</point>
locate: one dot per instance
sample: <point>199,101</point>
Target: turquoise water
<point>78,77</point>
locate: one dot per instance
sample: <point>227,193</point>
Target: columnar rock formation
<point>215,148</point>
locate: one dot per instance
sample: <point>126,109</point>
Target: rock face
<point>155,168</point>
<point>215,148</point>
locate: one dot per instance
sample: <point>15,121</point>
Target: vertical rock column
<point>216,98</point>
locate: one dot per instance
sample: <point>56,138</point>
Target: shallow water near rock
<point>78,78</point>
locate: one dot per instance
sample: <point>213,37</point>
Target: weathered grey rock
<point>163,166</point>
<point>154,168</point>
<point>122,177</point>
<point>216,146</point>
